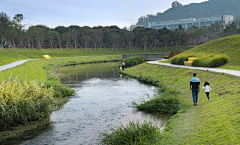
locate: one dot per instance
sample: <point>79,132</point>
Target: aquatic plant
<point>135,133</point>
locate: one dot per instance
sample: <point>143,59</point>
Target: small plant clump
<point>134,133</point>
<point>23,101</point>
<point>135,60</point>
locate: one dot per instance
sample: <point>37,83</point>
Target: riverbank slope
<point>8,55</point>
<point>215,122</point>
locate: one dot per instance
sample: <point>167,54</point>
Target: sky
<point>91,13</point>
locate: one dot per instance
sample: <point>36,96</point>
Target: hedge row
<point>208,61</point>
<point>214,61</point>
<point>135,60</point>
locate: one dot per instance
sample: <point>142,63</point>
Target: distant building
<point>186,23</point>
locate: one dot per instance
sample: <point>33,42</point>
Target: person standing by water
<point>195,87</point>
<point>123,64</point>
<point>207,89</point>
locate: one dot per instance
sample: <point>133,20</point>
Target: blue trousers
<point>195,95</point>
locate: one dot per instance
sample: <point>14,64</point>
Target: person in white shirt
<point>207,89</point>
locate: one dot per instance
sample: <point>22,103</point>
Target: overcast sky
<point>91,13</point>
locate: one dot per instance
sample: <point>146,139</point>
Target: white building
<point>186,23</point>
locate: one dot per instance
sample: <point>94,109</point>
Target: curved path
<point>11,65</point>
<point>227,71</point>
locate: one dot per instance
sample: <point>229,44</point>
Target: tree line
<point>14,35</point>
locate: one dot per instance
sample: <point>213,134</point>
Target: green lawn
<point>215,122</point>
<point>10,55</point>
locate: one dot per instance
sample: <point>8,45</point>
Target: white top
<point>207,88</point>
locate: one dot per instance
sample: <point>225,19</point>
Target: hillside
<point>211,8</point>
<point>228,46</point>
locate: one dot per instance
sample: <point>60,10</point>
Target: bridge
<point>154,56</point>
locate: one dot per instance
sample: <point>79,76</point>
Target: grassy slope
<point>33,70</point>
<point>215,122</point>
<point>227,45</point>
<point>8,55</point>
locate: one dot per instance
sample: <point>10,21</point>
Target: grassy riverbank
<point>46,71</point>
<point>10,55</point>
<point>228,46</point>
<point>215,122</point>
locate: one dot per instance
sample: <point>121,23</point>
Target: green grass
<point>215,122</point>
<point>46,71</point>
<point>10,55</point>
<point>228,46</point>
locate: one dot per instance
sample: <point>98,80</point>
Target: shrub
<point>132,61</point>
<point>168,102</point>
<point>132,134</point>
<point>213,61</point>
<point>180,59</point>
<point>23,102</point>
<point>60,90</point>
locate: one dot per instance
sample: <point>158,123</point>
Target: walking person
<point>195,87</point>
<point>123,64</point>
<point>207,89</point>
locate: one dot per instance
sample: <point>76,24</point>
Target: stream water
<point>104,98</point>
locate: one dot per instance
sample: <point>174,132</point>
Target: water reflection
<point>103,98</point>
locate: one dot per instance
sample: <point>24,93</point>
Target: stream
<point>104,98</point>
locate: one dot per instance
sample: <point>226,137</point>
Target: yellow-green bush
<point>213,61</point>
<point>22,102</point>
<point>180,59</point>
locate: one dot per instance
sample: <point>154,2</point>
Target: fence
<point>155,56</point>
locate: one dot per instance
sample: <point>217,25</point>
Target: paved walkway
<point>227,71</point>
<point>11,65</point>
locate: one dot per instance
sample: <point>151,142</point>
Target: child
<point>207,89</point>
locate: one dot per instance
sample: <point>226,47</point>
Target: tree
<point>176,4</point>
<point>39,35</point>
<point>94,35</point>
<point>176,36</point>
<point>67,38</point>
<point>51,36</point>
<point>129,37</point>
<point>154,36</point>
<point>165,39</point>
<point>4,25</point>
<point>186,38</point>
<point>231,29</point>
<point>86,37</point>
<point>18,18</point>
<point>75,36</point>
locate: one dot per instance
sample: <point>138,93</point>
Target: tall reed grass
<point>23,101</point>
